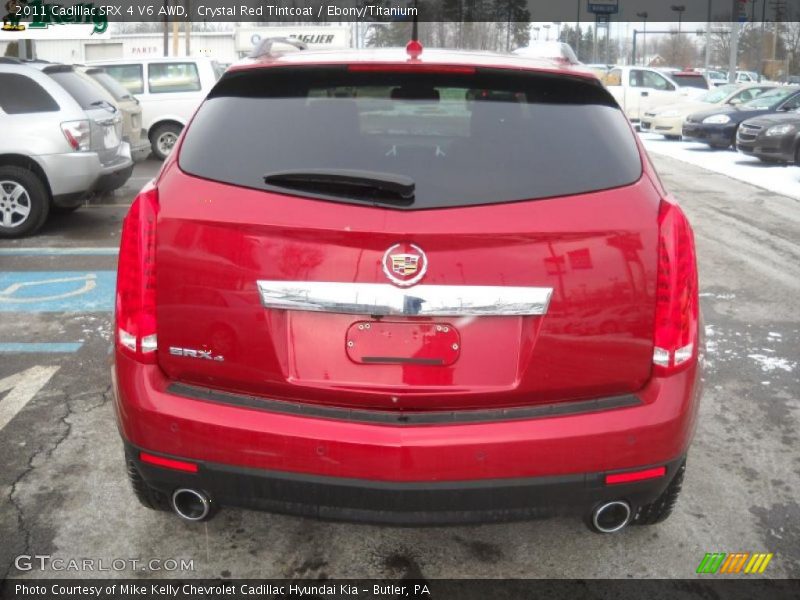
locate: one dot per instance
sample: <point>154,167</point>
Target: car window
<point>111,85</point>
<point>614,77</point>
<point>690,80</point>
<point>20,94</point>
<point>218,68</point>
<point>130,76</point>
<point>464,139</point>
<point>768,99</point>
<point>718,94</point>
<point>173,77</point>
<point>86,92</point>
<point>653,80</point>
<point>792,103</point>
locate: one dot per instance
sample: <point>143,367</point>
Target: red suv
<point>408,288</point>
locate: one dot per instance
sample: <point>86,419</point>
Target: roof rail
<point>264,47</point>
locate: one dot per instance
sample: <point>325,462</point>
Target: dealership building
<point>225,46</point>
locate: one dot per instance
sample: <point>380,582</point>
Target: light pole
<point>643,16</point>
<point>678,8</point>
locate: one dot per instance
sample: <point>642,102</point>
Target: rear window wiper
<point>367,185</point>
<point>105,104</point>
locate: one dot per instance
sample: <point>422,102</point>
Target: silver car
<point>61,139</point>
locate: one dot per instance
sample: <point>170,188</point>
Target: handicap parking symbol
<point>57,291</point>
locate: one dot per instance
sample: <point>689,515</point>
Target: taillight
<point>78,134</point>
<point>677,304</point>
<point>135,319</point>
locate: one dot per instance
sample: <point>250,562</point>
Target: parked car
<point>169,90</point>
<point>639,90</point>
<point>60,141</point>
<point>717,126</point>
<point>668,120</point>
<point>132,131</point>
<point>559,52</point>
<point>381,297</point>
<point>772,138</point>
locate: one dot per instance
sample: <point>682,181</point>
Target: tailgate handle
<point>382,299</point>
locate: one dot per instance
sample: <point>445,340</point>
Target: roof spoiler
<point>264,47</point>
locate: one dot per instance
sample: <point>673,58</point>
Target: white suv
<point>169,90</point>
<point>61,139</point>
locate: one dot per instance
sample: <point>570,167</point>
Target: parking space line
<point>39,347</point>
<point>77,251</point>
<point>23,386</point>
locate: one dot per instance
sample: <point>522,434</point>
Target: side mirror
<point>735,101</point>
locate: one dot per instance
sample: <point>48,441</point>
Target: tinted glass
<point>463,139</point>
<point>20,94</point>
<point>770,98</point>
<point>696,81</point>
<point>173,77</point>
<point>130,76</point>
<point>84,89</point>
<point>111,85</point>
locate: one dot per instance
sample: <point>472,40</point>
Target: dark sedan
<point>772,138</point>
<point>717,126</point>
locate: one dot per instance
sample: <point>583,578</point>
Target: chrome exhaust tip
<point>611,516</point>
<point>191,505</point>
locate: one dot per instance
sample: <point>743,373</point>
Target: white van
<point>169,89</point>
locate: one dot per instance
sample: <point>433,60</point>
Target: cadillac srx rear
<point>408,288</point>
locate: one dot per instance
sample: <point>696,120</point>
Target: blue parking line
<point>57,291</point>
<point>40,347</point>
<point>78,251</point>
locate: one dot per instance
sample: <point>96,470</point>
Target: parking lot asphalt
<point>65,494</point>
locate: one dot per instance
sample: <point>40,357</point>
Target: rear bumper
<point>550,462</point>
<point>114,174</point>
<point>401,503</point>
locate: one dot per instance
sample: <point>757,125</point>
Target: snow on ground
<point>776,178</point>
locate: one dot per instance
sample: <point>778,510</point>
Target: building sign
<point>248,38</point>
<point>604,7</point>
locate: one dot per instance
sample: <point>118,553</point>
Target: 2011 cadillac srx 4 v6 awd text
<point>408,288</point>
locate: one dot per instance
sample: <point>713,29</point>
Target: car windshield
<point>769,99</point>
<point>462,138</point>
<point>717,94</point>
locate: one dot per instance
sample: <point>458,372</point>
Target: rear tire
<point>163,139</point>
<point>661,509</point>
<point>24,202</point>
<point>148,497</point>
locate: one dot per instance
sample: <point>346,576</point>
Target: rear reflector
<point>168,463</point>
<point>653,473</point>
<point>411,68</point>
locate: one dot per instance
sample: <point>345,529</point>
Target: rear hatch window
<point>695,80</point>
<point>111,85</point>
<point>88,94</point>
<point>411,140</point>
